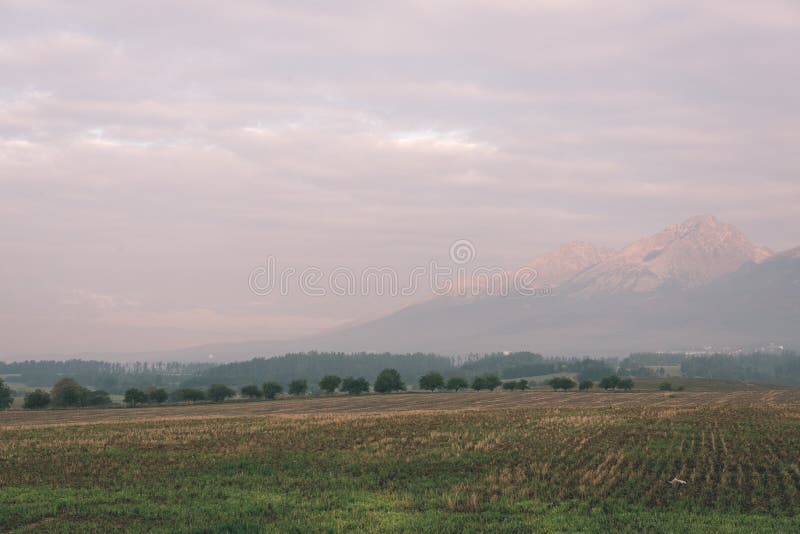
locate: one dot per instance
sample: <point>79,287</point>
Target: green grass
<point>703,384</point>
<point>560,469</point>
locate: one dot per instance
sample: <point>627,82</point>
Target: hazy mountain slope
<point>759,299</point>
<point>558,266</point>
<point>698,283</point>
<point>552,269</point>
<point>755,305</point>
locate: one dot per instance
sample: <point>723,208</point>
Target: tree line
<point>188,381</point>
<point>524,364</point>
<point>316,365</point>
<point>67,392</point>
<point>611,382</point>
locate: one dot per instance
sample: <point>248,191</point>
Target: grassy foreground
<point>570,466</point>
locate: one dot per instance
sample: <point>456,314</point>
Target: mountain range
<point>700,283</point>
<point>687,255</point>
<point>696,284</point>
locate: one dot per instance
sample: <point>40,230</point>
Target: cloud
<point>160,150</point>
<point>99,302</point>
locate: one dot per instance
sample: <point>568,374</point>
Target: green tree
<point>271,390</point>
<point>298,386</point>
<point>586,385</point>
<point>522,384</point>
<point>492,381</point>
<point>665,386</point>
<point>220,392</point>
<point>135,396</point>
<point>455,383</point>
<point>589,369</point>
<point>388,380</point>
<point>561,382</point>
<point>36,400</point>
<point>252,392</point>
<point>610,382</point>
<point>5,396</point>
<point>67,392</point>
<point>510,385</point>
<point>157,395</point>
<point>626,384</point>
<point>191,395</point>
<point>329,383</point>
<point>97,397</point>
<point>479,383</point>
<point>355,386</point>
<point>431,381</point>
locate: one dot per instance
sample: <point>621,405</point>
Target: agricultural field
<point>443,462</point>
<point>703,384</point>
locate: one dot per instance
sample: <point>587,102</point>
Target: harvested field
<point>502,461</point>
<point>468,400</point>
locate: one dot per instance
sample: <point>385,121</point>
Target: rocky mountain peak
<point>686,255</point>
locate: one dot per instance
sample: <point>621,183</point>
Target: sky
<point>153,155</point>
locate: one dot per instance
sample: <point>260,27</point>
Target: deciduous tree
<point>431,381</point>
<point>191,394</point>
<point>388,380</point>
<point>97,397</point>
<point>220,392</point>
<point>609,382</point>
<point>355,386</point>
<point>329,383</point>
<point>67,392</point>
<point>157,395</point>
<point>479,383</point>
<point>271,390</point>
<point>5,396</point>
<point>626,384</point>
<point>252,392</point>
<point>298,387</point>
<point>455,383</point>
<point>36,399</point>
<point>134,396</point>
<point>561,382</point>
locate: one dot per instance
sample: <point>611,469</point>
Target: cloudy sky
<point>153,154</point>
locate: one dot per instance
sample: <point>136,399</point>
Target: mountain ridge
<point>686,255</point>
<point>679,288</point>
<point>723,291</point>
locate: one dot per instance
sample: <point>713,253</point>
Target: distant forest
<point>776,368</point>
<point>767,367</point>
<point>312,366</point>
<point>108,376</point>
<point>527,364</point>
